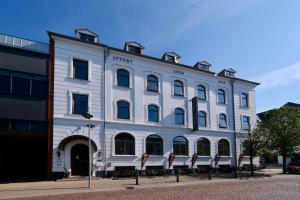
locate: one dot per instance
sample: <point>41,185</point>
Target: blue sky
<point>260,39</point>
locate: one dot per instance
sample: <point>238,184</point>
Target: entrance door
<point>80,160</point>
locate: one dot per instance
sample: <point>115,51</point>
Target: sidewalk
<point>29,189</point>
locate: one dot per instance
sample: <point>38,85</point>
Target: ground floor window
<point>154,145</point>
<point>180,146</point>
<point>124,144</point>
<point>223,147</point>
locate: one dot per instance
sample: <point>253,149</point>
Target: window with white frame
<point>153,113</point>
<point>123,110</point>
<point>221,96</point>
<point>80,69</point>
<point>202,118</point>
<point>179,116</point>
<point>123,78</point>
<point>178,88</point>
<point>244,100</point>
<point>222,121</point>
<point>152,83</point>
<point>246,122</point>
<point>201,93</point>
<point>80,103</point>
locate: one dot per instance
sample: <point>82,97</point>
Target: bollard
<point>209,173</point>
<point>137,177</point>
<point>177,175</point>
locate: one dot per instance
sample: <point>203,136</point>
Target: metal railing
<point>22,43</point>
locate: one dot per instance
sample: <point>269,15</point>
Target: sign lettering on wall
<point>123,60</point>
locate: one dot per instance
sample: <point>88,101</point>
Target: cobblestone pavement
<point>278,187</point>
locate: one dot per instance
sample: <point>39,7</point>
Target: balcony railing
<point>23,43</point>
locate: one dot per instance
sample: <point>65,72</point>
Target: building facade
<point>23,108</point>
<point>141,104</point>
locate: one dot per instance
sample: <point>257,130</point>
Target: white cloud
<point>280,77</point>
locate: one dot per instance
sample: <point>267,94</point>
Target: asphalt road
<point>282,187</point>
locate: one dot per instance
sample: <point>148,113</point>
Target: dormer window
<point>86,35</point>
<point>171,57</point>
<point>134,47</point>
<point>203,65</point>
<point>229,72</point>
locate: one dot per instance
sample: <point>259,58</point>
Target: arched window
<point>223,147</point>
<point>179,116</point>
<point>153,113</point>
<point>123,78</point>
<point>123,110</point>
<point>178,88</point>
<point>202,118</point>
<point>222,121</point>
<point>221,96</point>
<point>246,148</point>
<point>201,93</point>
<point>124,144</point>
<point>152,83</point>
<point>203,147</point>
<point>154,145</point>
<point>180,146</point>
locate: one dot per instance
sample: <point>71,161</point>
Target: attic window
<point>170,58</point>
<point>87,37</point>
<point>229,73</point>
<point>134,49</point>
<point>205,67</point>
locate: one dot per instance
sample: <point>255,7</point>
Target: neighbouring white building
<point>141,104</point>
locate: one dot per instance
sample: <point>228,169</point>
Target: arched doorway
<point>80,160</point>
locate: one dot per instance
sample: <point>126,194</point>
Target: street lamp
<point>89,116</point>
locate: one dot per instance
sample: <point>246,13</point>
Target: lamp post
<point>89,116</point>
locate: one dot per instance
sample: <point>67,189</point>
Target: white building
<point>143,104</point>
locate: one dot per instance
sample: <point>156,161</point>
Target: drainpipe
<point>105,55</point>
<point>234,129</point>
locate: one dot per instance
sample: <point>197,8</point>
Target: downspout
<point>234,129</point>
<point>105,55</point>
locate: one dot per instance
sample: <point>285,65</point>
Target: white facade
<point>102,105</point>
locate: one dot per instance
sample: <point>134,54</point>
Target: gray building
<point>23,108</point>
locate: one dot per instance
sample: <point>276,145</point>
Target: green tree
<point>279,132</point>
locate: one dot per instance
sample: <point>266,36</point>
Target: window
<point>80,69</point>
<point>124,144</point>
<point>20,125</point>
<point>38,126</point>
<point>222,121</point>
<point>20,86</point>
<point>134,49</point>
<point>4,124</point>
<point>246,148</point>
<point>178,88</point>
<point>123,78</point>
<point>87,37</point>
<point>244,100</point>
<point>154,145</point>
<point>180,146</point>
<point>153,113</point>
<point>170,58</point>
<point>39,88</point>
<point>4,83</point>
<point>221,96</point>
<point>246,123</point>
<point>223,147</point>
<point>203,147</point>
<point>201,93</point>
<point>152,83</point>
<point>123,110</point>
<point>202,118</point>
<point>179,116</point>
<point>80,104</point>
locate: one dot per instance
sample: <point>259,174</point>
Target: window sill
<point>204,156</point>
<point>221,104</point>
<point>80,80</point>
<point>124,155</point>
<point>244,107</point>
<point>181,156</point>
<point>156,156</point>
<point>178,96</point>
<point>152,91</point>
<point>122,87</point>
<point>202,100</point>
